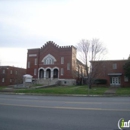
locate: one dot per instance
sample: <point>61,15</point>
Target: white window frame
<point>62,60</point>
<point>10,71</point>
<point>4,71</point>
<point>62,71</point>
<point>32,55</point>
<point>35,61</point>
<point>83,72</point>
<point>35,71</point>
<point>10,80</point>
<point>28,64</point>
<point>114,66</point>
<point>126,79</point>
<point>3,80</point>
<point>68,66</point>
<point>48,59</point>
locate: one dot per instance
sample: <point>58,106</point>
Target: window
<point>62,60</point>
<point>83,72</point>
<point>48,61</point>
<point>3,71</point>
<point>32,55</point>
<point>35,71</point>
<point>28,64</point>
<point>126,79</point>
<point>62,71</point>
<point>10,71</point>
<point>35,62</point>
<point>10,80</point>
<point>114,66</point>
<point>77,68</point>
<point>68,66</point>
<point>16,72</point>
<point>15,81</point>
<point>3,80</point>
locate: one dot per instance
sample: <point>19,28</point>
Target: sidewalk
<point>111,91</point>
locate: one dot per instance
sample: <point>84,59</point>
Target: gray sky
<point>31,23</point>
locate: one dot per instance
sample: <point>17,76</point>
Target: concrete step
<point>47,81</point>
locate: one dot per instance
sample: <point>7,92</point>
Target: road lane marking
<point>69,102</point>
<point>66,108</point>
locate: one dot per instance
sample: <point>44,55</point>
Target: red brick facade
<point>112,71</point>
<point>10,75</point>
<point>52,61</point>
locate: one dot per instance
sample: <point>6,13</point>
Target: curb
<point>67,95</point>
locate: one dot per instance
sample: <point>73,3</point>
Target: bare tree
<point>90,51</point>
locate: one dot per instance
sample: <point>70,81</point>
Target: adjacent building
<point>54,61</point>
<point>112,71</point>
<point>10,75</point>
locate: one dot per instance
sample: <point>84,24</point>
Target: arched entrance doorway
<point>48,73</point>
<point>41,73</point>
<point>55,73</point>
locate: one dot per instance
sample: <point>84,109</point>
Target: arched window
<point>49,59</point>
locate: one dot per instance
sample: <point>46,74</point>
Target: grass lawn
<point>66,90</point>
<point>123,91</point>
<point>2,87</point>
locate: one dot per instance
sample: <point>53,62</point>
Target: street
<point>24,112</point>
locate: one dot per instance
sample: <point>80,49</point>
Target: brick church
<point>54,61</point>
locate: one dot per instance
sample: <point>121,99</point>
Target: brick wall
<point>10,75</point>
<point>107,69</point>
<point>67,52</point>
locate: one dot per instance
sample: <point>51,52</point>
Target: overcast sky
<point>31,23</point>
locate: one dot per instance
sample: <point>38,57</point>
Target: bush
<point>100,81</point>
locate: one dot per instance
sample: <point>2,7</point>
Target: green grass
<point>81,90</point>
<point>66,90</point>
<point>34,85</point>
<point>123,91</point>
<point>2,87</point>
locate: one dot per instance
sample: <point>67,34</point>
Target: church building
<point>54,61</point>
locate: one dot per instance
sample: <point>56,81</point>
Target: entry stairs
<point>47,82</point>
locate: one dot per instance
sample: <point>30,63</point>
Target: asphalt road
<point>22,112</point>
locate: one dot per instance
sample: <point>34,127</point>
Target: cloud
<point>31,23</point>
<point>13,57</point>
